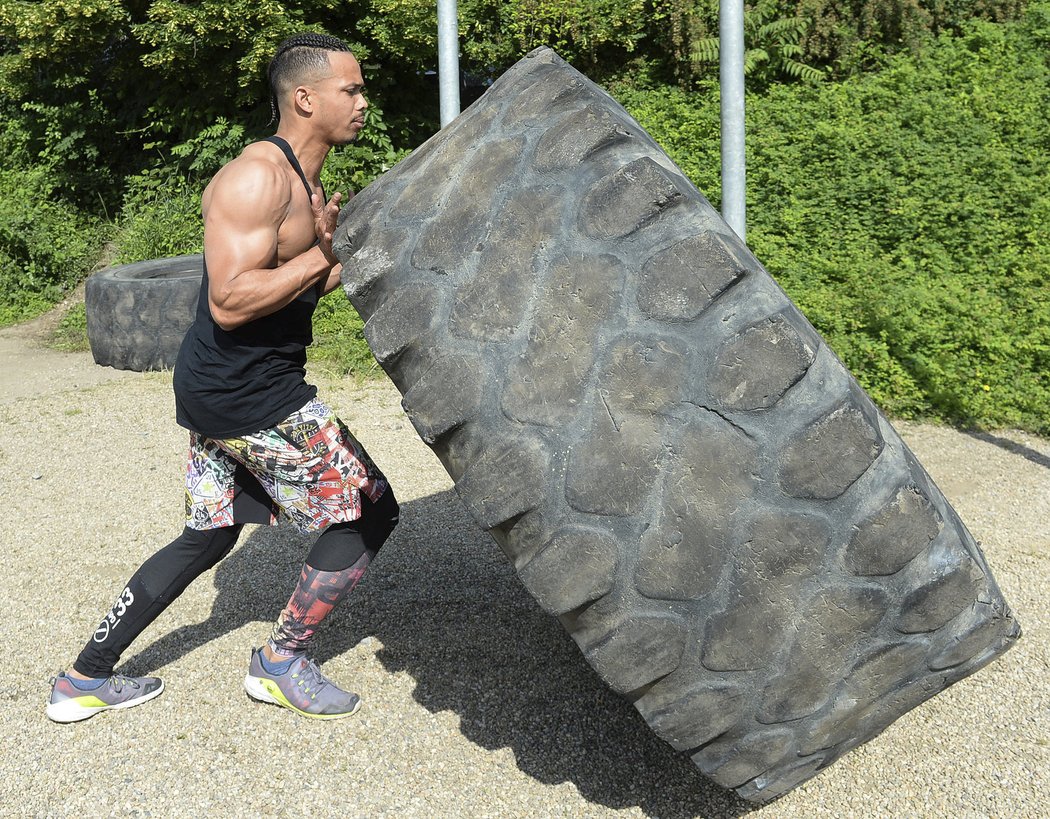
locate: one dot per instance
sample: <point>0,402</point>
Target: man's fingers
<point>330,212</point>
<point>316,202</point>
<point>333,203</point>
<point>325,216</point>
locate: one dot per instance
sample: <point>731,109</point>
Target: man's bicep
<point>241,225</point>
<point>234,250</point>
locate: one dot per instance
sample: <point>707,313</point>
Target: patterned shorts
<point>308,469</point>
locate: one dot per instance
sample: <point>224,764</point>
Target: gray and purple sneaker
<point>73,701</point>
<point>298,684</point>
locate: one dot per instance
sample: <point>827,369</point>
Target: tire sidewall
<point>137,314</point>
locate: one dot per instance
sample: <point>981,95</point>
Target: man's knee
<point>337,548</point>
<point>211,545</point>
<point>379,518</point>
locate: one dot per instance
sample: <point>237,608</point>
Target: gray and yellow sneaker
<point>298,684</point>
<point>73,700</point>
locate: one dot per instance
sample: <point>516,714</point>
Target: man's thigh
<point>311,466</point>
<point>220,491</point>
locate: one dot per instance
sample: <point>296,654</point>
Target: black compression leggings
<point>164,576</point>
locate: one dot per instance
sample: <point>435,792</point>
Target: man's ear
<point>303,98</point>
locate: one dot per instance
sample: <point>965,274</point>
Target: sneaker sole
<point>71,711</point>
<point>257,689</point>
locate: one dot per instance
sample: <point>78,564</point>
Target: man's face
<point>340,99</point>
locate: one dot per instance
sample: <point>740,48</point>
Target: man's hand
<point>325,218</point>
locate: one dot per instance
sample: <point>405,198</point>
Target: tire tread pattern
<point>138,314</point>
<point>677,465</point>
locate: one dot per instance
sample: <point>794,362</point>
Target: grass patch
<point>70,335</point>
<point>339,345</point>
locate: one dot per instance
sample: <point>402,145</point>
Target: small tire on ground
<point>137,314</point>
<point>676,464</point>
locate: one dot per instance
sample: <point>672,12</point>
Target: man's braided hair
<point>298,55</point>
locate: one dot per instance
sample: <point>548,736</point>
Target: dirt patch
<point>29,367</point>
<point>41,330</point>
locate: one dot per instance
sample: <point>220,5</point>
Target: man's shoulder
<point>257,170</point>
<point>262,151</point>
<point>258,159</point>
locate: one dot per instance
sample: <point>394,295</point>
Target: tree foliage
<point>95,83</point>
<point>796,39</point>
<point>495,33</point>
<point>851,35</point>
<point>772,46</point>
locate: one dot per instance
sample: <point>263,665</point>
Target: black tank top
<point>233,382</point>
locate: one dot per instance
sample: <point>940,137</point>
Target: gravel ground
<point>476,702</point>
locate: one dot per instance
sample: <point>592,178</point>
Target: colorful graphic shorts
<point>308,469</point>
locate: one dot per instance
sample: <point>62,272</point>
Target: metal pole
<point>731,79</point>
<point>448,60</point>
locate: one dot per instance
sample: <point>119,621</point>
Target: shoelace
<point>312,677</point>
<point>118,681</point>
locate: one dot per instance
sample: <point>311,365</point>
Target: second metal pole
<point>731,80</point>
<point>448,60</point>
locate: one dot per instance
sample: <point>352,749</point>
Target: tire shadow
<point>449,610</point>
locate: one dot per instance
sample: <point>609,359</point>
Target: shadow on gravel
<point>449,610</point>
<point>1025,452</point>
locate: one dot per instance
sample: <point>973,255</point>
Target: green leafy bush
<point>907,214</point>
<point>161,217</point>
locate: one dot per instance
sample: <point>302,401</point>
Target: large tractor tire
<point>137,314</point>
<point>677,465</point>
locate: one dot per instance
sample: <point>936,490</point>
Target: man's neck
<point>310,152</point>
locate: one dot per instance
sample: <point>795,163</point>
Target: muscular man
<point>261,443</point>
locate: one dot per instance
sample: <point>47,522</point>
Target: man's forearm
<point>334,278</point>
<point>252,294</point>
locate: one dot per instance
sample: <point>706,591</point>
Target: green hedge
<point>907,214</point>
<point>47,245</point>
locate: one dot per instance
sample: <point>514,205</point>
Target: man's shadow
<point>449,610</point>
